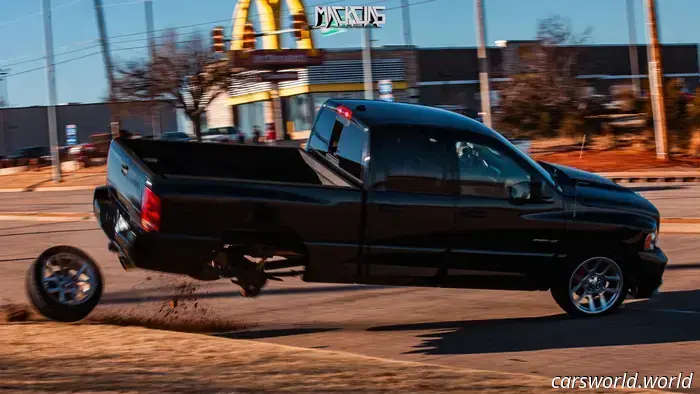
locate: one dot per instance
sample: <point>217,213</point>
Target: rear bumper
<point>650,270</point>
<point>152,251</point>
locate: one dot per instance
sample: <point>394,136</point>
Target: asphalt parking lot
<point>507,331</point>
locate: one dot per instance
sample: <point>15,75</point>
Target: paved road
<point>510,331</point>
<point>66,201</point>
<point>672,199</point>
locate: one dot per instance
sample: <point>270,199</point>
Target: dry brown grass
<point>91,357</point>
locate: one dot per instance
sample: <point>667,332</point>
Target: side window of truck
<point>486,169</point>
<point>411,159</point>
<point>350,149</point>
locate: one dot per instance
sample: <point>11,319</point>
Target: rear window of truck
<point>341,141</point>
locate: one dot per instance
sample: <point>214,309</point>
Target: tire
<point>49,304</point>
<point>566,280</point>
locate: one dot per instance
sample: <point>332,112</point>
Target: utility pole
<point>367,61</point>
<point>105,46</point>
<point>149,28</point>
<point>407,40</point>
<point>51,79</point>
<point>155,109</point>
<point>634,61</point>
<point>483,62</point>
<point>656,83</point>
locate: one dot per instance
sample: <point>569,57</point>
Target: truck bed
<point>202,161</point>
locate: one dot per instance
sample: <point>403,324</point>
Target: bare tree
<point>546,89</point>
<point>187,72</point>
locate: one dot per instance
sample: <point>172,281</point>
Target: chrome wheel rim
<point>68,279</point>
<point>596,285</point>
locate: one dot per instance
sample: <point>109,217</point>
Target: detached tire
<point>587,287</point>
<point>64,284</point>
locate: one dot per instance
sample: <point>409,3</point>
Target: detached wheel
<point>593,287</point>
<point>64,284</point>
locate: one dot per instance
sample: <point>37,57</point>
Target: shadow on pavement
<point>273,333</point>
<point>111,299</point>
<point>662,323</point>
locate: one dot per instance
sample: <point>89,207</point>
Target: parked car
<point>30,154</point>
<point>384,193</point>
<point>175,136</point>
<point>228,135</point>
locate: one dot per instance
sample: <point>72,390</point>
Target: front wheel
<point>64,284</point>
<point>593,287</point>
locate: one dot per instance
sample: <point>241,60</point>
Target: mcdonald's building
<point>252,101</point>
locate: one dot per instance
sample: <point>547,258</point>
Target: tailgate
<point>128,177</point>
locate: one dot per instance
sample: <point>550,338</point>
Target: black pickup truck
<point>383,193</point>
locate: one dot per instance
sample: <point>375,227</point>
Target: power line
<point>38,13</point>
<point>146,46</point>
<point>92,54</point>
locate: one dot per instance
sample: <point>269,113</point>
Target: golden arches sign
<point>269,13</point>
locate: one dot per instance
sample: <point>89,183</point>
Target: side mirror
<point>521,192</point>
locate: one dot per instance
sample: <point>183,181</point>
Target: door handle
<point>389,208</point>
<point>473,213</point>
<point>125,169</point>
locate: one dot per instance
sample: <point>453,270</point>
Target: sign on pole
<point>278,76</point>
<point>71,135</point>
<point>276,58</point>
<point>386,89</point>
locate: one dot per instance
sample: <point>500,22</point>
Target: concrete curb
<point>640,176</point>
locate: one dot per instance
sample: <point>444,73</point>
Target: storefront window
<point>249,115</point>
<point>298,109</point>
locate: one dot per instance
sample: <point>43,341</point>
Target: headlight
<point>650,241</point>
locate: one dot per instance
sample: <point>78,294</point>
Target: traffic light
<point>299,24</point>
<point>248,37</point>
<point>217,35</point>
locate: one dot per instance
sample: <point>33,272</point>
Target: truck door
<point>410,207</point>
<point>499,242</point>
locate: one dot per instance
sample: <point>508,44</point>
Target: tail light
<point>344,111</point>
<point>150,210</point>
<point>650,241</point>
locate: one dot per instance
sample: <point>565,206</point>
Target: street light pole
<point>51,79</point>
<point>407,39</point>
<point>656,83</point>
<point>155,108</point>
<point>634,61</point>
<point>367,61</point>
<point>483,62</point>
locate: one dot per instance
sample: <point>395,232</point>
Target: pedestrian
<point>270,134</point>
<point>257,134</point>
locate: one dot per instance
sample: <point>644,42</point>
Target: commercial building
<point>450,76</point>
<point>28,126</point>
<point>446,77</point>
<point>340,76</point>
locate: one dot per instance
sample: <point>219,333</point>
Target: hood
<point>596,191</point>
<point>583,178</point>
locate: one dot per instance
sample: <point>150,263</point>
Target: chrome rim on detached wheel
<point>596,285</point>
<point>68,279</point>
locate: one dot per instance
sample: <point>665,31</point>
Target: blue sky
<point>439,23</point>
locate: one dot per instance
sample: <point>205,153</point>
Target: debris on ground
<point>10,313</point>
